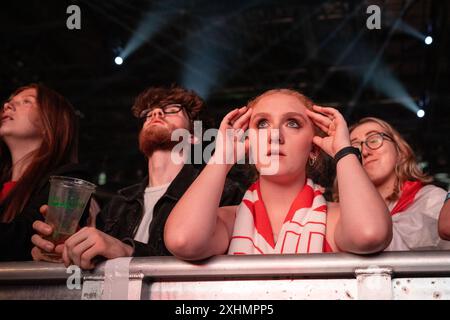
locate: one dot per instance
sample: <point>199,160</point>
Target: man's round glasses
<point>373,142</point>
<point>169,109</point>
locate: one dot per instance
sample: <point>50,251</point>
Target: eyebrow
<point>262,115</point>
<point>296,114</point>
<point>286,115</point>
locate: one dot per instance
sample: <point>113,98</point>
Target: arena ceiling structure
<point>230,51</point>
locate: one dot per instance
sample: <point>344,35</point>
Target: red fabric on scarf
<point>409,191</point>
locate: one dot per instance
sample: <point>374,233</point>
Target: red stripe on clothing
<point>317,193</point>
<point>262,224</point>
<point>261,218</point>
<point>260,228</point>
<point>253,186</point>
<point>248,204</point>
<point>304,199</point>
<point>309,239</point>
<point>326,246</point>
<point>314,222</point>
<point>409,191</point>
<point>251,240</point>
<point>284,240</point>
<point>321,209</point>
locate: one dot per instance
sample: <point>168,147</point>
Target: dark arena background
<point>230,51</point>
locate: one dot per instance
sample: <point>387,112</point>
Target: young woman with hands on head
<point>284,211</point>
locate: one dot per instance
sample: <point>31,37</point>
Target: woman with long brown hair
<point>38,138</point>
<point>391,165</point>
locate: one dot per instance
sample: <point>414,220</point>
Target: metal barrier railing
<point>388,275</point>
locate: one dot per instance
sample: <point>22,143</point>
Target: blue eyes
<point>291,123</point>
<point>262,124</point>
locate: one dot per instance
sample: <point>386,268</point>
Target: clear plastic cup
<point>66,203</point>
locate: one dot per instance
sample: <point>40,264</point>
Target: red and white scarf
<point>303,230</point>
<point>409,191</point>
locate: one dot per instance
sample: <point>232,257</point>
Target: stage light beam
<point>381,78</point>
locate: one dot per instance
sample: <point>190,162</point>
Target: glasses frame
<point>384,136</point>
<point>145,113</point>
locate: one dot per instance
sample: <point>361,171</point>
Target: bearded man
<point>132,223</point>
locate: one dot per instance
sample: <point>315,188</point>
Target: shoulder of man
<point>133,191</point>
<point>119,206</point>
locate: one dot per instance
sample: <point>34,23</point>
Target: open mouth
<point>6,118</point>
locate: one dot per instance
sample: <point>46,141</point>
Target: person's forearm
<point>365,224</point>
<point>444,221</point>
<point>192,223</point>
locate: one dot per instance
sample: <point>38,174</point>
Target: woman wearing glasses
<point>38,138</point>
<point>414,204</point>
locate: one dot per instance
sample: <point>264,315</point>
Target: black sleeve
<point>232,194</point>
<point>99,222</point>
<point>15,236</point>
<point>109,219</point>
<point>102,216</point>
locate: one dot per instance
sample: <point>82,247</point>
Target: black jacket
<point>15,236</point>
<point>121,217</point>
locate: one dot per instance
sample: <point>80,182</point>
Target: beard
<point>153,138</point>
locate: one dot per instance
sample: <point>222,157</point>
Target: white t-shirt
<point>151,196</point>
<point>416,228</point>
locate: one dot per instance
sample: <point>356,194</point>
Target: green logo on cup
<point>70,204</point>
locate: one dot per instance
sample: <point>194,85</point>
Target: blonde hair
<point>303,99</point>
<point>406,169</point>
<point>312,171</point>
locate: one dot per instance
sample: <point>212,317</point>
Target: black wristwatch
<point>345,151</point>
